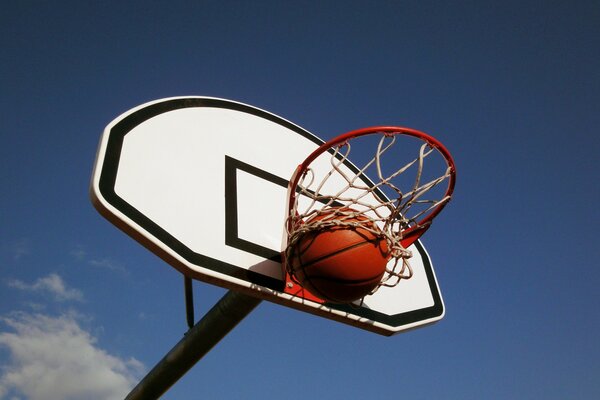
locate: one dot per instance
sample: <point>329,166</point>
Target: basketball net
<point>397,208</point>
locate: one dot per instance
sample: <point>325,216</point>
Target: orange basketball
<point>339,264</point>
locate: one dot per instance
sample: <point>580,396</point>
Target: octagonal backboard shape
<point>202,182</point>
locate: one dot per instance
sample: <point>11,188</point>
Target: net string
<point>385,218</point>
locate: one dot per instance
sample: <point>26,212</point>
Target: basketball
<point>339,263</point>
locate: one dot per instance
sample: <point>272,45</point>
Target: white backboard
<point>202,182</point>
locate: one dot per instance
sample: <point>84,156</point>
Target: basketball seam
<point>336,252</point>
<point>312,280</point>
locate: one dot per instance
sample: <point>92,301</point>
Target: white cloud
<point>108,264</point>
<point>52,284</point>
<point>78,253</point>
<point>53,358</point>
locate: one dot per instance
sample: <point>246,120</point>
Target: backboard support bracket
<point>189,301</point>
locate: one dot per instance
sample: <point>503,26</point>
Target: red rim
<point>411,234</point>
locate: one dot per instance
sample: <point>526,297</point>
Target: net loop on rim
<point>394,207</point>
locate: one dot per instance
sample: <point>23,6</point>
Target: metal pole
<point>198,341</point>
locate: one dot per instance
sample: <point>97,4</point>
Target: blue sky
<point>511,88</point>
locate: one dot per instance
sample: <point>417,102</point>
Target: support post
<point>189,301</point>
<point>198,341</point>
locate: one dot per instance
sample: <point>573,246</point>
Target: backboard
<point>201,182</point>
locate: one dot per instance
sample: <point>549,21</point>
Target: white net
<point>397,205</point>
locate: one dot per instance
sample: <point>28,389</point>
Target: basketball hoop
<point>414,177</point>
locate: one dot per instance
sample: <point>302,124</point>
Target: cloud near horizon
<point>54,358</point>
<point>52,284</point>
